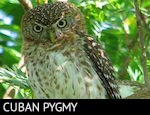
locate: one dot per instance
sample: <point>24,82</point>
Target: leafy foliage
<point>112,22</point>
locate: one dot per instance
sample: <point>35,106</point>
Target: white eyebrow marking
<point>41,25</point>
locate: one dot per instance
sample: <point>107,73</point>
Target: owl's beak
<point>52,37</point>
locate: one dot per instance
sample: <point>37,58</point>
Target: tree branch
<point>26,4</point>
<point>143,93</point>
<point>141,36</point>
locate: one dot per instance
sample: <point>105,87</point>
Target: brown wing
<point>102,66</point>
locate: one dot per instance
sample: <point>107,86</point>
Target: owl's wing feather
<point>102,66</point>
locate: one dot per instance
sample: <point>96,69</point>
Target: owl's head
<point>51,22</point>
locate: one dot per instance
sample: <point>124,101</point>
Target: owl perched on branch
<point>61,60</point>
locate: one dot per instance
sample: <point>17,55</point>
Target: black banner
<point>75,105</point>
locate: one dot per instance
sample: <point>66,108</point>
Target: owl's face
<point>51,22</point>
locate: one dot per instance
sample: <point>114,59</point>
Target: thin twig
<point>132,47</point>
<point>127,59</point>
<point>123,71</point>
<point>142,38</point>
<point>61,0</point>
<point>42,1</point>
<point>26,4</point>
<point>38,2</point>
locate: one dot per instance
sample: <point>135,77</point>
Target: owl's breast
<point>56,74</point>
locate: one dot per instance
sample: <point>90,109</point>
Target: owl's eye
<point>62,23</point>
<point>37,28</point>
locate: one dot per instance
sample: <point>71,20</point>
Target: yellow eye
<point>37,28</point>
<point>62,23</point>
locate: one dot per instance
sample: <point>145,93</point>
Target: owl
<point>61,60</point>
